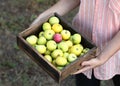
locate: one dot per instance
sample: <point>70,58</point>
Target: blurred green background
<point>16,69</point>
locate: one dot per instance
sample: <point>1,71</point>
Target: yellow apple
<point>65,34</point>
<point>40,48</point>
<point>48,57</point>
<point>56,53</point>
<point>57,28</point>
<point>46,26</point>
<point>76,49</point>
<point>32,39</point>
<point>51,45</point>
<point>61,61</point>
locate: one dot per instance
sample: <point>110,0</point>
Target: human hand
<point>95,62</point>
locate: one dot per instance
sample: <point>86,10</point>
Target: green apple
<point>51,45</point>
<point>71,39</point>
<point>46,26</point>
<point>48,52</point>
<point>71,57</point>
<point>48,57</point>
<point>60,61</point>
<point>69,43</point>
<point>76,38</point>
<point>76,49</point>
<point>63,46</point>
<point>57,28</point>
<point>56,53</point>
<point>32,39</point>
<point>54,62</point>
<point>41,40</point>
<point>40,48</point>
<point>65,55</point>
<point>67,63</point>
<point>48,34</point>
<point>41,34</point>
<point>82,53</point>
<point>53,20</point>
<point>65,34</point>
<point>60,67</point>
<point>85,50</point>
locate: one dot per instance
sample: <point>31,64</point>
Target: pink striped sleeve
<point>115,5</point>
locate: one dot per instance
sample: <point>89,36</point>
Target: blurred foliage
<point>8,64</point>
<point>15,68</point>
<point>18,16</point>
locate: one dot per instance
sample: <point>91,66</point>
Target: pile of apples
<point>56,44</point>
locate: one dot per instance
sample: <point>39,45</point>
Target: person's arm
<point>110,49</point>
<point>61,7</point>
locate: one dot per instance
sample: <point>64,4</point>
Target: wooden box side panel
<point>75,66</point>
<point>46,66</point>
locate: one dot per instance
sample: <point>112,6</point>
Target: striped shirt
<point>99,21</point>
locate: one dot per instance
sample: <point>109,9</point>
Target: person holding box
<point>98,21</point>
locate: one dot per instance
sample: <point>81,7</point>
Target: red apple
<point>57,37</point>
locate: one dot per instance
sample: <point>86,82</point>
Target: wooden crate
<point>57,75</point>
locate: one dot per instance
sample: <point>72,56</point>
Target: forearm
<point>111,48</point>
<point>61,7</point>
